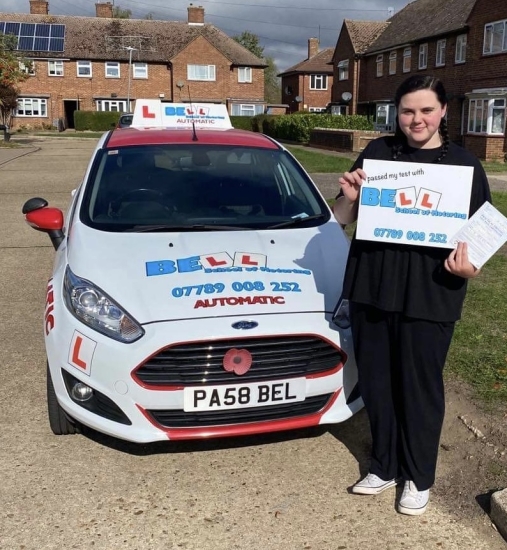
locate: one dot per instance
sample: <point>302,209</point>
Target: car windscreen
<point>188,187</point>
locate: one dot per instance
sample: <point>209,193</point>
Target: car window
<point>183,185</point>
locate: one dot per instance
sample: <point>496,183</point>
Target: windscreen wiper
<point>195,227</point>
<point>297,220</point>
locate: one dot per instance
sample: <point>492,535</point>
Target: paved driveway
<point>279,492</point>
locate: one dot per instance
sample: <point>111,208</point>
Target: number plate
<point>258,394</point>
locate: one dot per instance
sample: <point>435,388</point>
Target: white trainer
<point>372,485</point>
<point>412,501</point>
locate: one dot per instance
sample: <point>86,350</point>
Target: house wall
<point>294,81</point>
<point>343,51</point>
<point>310,99</point>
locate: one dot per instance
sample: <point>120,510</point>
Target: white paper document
<point>485,232</point>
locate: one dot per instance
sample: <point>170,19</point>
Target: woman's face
<point>419,116</point>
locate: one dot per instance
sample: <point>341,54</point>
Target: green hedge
<point>98,121</point>
<point>298,128</point>
<point>242,122</point>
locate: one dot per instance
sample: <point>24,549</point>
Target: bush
<point>97,121</point>
<point>259,120</point>
<point>298,128</point>
<point>242,122</point>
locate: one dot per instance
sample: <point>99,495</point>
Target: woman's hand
<point>458,263</point>
<point>351,183</point>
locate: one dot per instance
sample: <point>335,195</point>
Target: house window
<point>244,74</point>
<point>31,106</point>
<point>201,72</point>
<point>423,56</point>
<point>380,65</point>
<point>140,70</point>
<point>246,109</point>
<point>495,37</point>
<point>28,68</point>
<point>84,68</point>
<point>118,106</point>
<point>440,58</point>
<point>318,82</point>
<point>343,70</point>
<point>392,63</point>
<point>55,68</point>
<point>317,109</point>
<point>112,69</point>
<point>407,60</point>
<point>487,116</point>
<point>461,48</point>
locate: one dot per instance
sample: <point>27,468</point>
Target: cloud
<point>283,26</point>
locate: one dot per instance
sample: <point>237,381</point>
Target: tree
<point>14,69</point>
<point>272,91</point>
<point>120,13</point>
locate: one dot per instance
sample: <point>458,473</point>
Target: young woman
<point>404,302</point>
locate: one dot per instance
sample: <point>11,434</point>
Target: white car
<point>194,288</point>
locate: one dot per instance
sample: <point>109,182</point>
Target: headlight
<point>95,308</point>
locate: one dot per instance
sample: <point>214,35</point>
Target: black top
<point>411,279</point>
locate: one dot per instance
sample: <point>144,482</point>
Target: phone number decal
<point>421,236</point>
<point>237,286</point>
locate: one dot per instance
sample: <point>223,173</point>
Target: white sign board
<point>413,203</point>
<point>154,113</point>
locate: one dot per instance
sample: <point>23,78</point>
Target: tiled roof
<point>423,19</point>
<point>157,41</point>
<point>363,33</point>
<point>319,63</point>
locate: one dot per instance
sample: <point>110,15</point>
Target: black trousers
<point>400,362</point>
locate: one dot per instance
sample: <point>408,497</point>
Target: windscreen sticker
<point>81,352</point>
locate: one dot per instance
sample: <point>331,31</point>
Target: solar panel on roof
<point>39,37</point>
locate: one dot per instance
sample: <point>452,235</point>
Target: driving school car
<point>194,288</point>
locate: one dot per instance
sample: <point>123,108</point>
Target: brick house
<point>354,38</point>
<point>307,85</point>
<point>103,64</point>
<point>462,42</point>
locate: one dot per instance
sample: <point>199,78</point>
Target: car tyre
<point>59,422</point>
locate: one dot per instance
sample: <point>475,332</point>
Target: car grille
<point>181,419</point>
<point>273,358</point>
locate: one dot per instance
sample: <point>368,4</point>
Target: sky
<point>283,26</point>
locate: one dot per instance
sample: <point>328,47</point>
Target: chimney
<point>195,15</point>
<point>313,47</point>
<point>39,7</point>
<point>104,9</point>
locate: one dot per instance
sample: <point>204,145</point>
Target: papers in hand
<point>485,232</point>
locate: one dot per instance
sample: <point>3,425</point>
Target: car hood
<point>175,276</point>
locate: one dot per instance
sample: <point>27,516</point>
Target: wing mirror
<point>46,219</point>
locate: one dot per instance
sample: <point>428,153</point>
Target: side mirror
<point>48,220</point>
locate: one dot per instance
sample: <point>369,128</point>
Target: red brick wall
<point>300,84</point>
<point>345,51</point>
<point>294,81</point>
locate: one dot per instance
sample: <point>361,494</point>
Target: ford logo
<point>245,325</point>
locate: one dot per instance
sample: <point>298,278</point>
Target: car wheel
<point>59,422</point>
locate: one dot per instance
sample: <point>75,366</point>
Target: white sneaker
<point>412,501</point>
<point>372,485</point>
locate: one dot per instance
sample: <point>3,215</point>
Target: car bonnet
<point>167,276</point>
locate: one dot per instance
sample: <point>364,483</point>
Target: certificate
<point>413,203</point>
<point>485,232</point>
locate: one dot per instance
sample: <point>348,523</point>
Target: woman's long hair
<point>413,84</point>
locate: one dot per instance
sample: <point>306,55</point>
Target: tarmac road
<point>279,492</point>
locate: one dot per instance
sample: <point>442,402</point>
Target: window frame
<point>30,71</point>
<point>56,63</point>
<point>245,110</point>
<point>407,59</point>
<point>315,79</point>
<point>137,73</point>
<point>343,69</point>
<point>80,64</point>
<point>460,53</point>
<point>379,65</point>
<point>209,69</point>
<point>114,65</point>
<point>440,53</point>
<point>42,106</point>
<point>503,47</point>
<point>121,104</point>
<point>393,58</point>
<point>422,62</point>
<point>486,106</point>
<point>247,73</point>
